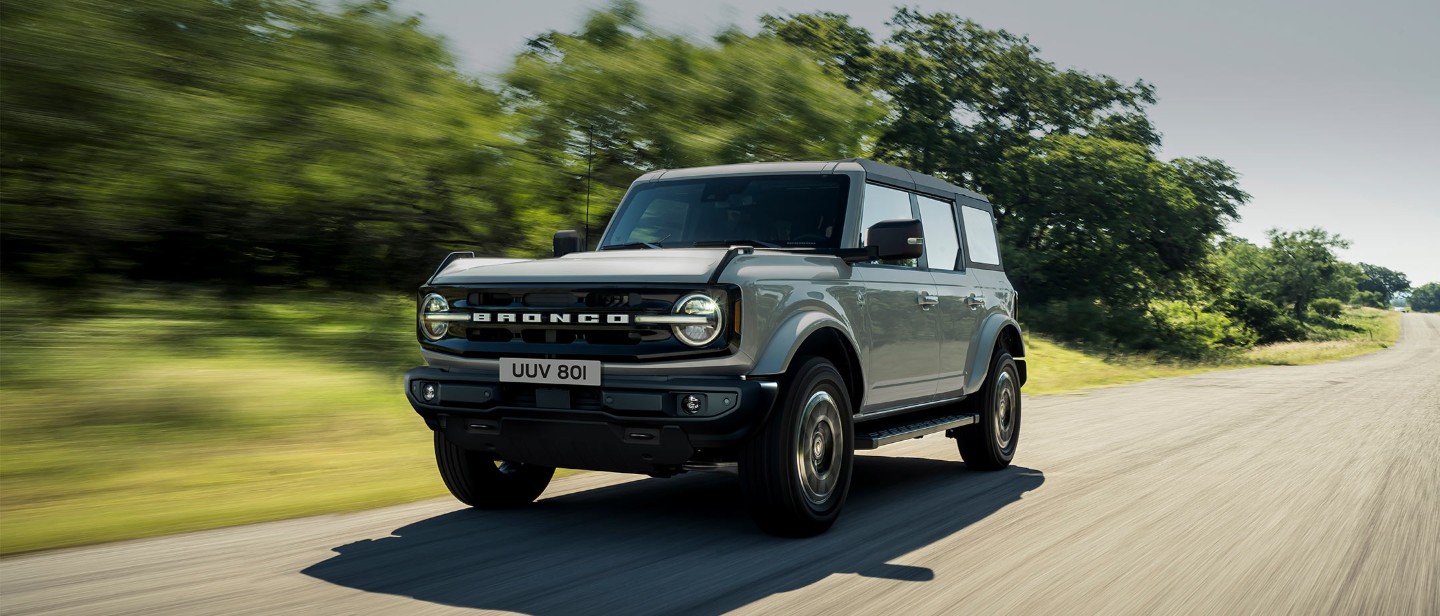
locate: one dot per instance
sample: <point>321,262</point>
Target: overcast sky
<point>1329,110</point>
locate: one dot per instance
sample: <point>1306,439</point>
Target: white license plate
<point>550,371</point>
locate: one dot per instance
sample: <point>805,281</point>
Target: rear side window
<point>942,246</point>
<point>980,236</point>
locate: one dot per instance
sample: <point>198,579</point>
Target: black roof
<point>918,182</point>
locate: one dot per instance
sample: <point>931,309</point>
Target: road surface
<point>1308,490</point>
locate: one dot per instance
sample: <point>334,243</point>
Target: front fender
<point>786,338</point>
<point>984,349</point>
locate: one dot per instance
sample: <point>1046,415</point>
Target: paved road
<point>1262,491</point>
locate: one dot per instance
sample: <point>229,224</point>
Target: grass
<point>162,411</point>
<point>1055,368</point>
<point>1356,332</point>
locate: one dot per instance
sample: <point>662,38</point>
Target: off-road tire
<point>795,477</point>
<point>479,481</point>
<point>987,445</point>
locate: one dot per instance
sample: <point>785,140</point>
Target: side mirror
<point>566,242</point>
<point>895,239</point>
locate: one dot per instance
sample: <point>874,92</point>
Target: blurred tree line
<point>254,143</point>
<point>279,142</point>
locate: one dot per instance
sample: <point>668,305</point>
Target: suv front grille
<point>547,338</point>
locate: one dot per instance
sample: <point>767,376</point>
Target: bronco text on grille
<point>581,318</point>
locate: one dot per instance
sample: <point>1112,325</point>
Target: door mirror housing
<point>566,242</point>
<point>891,240</point>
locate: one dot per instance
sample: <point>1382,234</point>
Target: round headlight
<point>698,305</point>
<point>433,329</point>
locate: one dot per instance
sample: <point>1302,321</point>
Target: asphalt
<point>1311,490</point>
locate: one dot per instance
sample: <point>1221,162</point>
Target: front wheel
<point>989,444</point>
<point>796,470</point>
<point>482,482</point>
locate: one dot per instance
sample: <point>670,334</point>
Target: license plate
<point>550,371</point>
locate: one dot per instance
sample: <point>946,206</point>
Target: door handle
<point>975,300</point>
<point>927,300</point>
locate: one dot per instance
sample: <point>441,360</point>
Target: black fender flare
<point>992,329</point>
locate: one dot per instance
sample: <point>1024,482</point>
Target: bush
<point>1327,307</point>
<point>1261,316</point>
<point>1190,330</point>
<point>1373,299</point>
<point>1076,320</point>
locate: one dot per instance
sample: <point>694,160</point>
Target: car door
<point>903,340</point>
<point>982,259</point>
<point>961,300</point>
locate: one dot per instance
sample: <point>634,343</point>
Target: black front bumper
<point>628,424</point>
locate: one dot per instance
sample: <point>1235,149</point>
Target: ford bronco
<point>773,317</point>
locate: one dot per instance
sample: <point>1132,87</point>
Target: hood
<point>673,265</point>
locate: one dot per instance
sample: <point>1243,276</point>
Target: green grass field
<point>150,413</point>
<point>167,413</point>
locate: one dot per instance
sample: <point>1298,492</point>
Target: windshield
<point>765,210</point>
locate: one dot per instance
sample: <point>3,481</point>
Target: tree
<point>1385,281</point>
<point>285,142</point>
<point>239,142</point>
<point>1302,267</point>
<point>1088,212</point>
<point>1426,298</point>
<point>641,100</point>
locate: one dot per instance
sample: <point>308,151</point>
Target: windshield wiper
<point>631,245</point>
<point>736,243</point>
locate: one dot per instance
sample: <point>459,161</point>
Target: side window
<point>942,244</point>
<point>883,203</point>
<point>980,236</point>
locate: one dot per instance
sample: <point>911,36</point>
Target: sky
<point>1330,111</point>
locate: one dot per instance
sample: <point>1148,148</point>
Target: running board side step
<point>871,439</point>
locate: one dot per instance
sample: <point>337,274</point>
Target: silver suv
<point>774,316</point>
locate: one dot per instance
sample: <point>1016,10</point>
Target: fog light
<point>692,404</point>
<point>429,392</point>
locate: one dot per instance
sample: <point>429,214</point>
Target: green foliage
<point>286,143</point>
<point>1297,268</point>
<point>1261,316</point>
<point>1188,329</point>
<point>239,142</point>
<point>1102,218</point>
<point>1426,298</point>
<point>1372,299</point>
<point>1327,307</point>
<point>1382,280</point>
<point>279,142</point>
<point>642,100</point>
<point>1091,218</point>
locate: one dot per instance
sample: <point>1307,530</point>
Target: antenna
<point>589,157</point>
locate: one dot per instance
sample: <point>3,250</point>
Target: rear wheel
<point>989,444</point>
<point>483,482</point>
<point>796,470</point>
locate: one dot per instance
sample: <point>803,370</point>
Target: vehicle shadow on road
<point>670,545</point>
